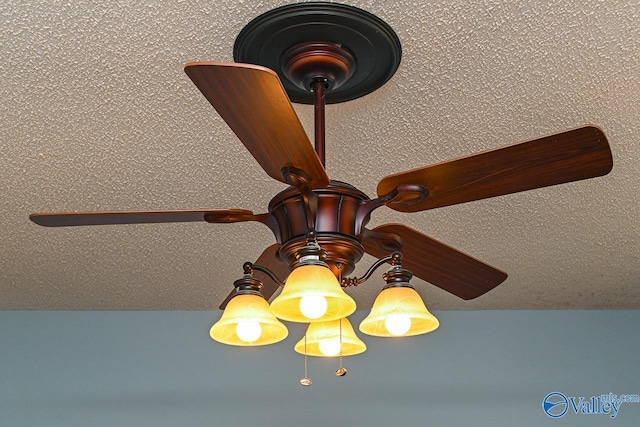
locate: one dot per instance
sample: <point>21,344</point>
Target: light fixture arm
<point>395,259</point>
<point>249,268</point>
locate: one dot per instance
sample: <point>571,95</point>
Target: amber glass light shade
<point>247,321</point>
<point>323,340</point>
<point>398,311</point>
<point>309,285</point>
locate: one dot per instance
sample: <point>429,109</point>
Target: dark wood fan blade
<point>253,102</point>
<point>268,259</point>
<point>569,156</point>
<point>66,219</point>
<point>435,262</point>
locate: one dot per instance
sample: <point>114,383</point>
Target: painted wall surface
<point>481,368</point>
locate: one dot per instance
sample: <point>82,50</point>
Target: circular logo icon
<point>555,404</point>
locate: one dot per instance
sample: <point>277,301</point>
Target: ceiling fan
<point>322,53</point>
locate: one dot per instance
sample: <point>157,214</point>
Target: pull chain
<point>341,371</point>
<point>305,381</point>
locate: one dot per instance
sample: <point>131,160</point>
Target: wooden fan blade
<point>435,262</point>
<point>268,259</point>
<point>253,102</point>
<point>66,219</point>
<point>569,156</point>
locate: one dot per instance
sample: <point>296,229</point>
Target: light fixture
<point>398,310</point>
<point>326,339</point>
<point>247,319</point>
<point>312,293</point>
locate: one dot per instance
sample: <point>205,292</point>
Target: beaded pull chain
<point>341,371</point>
<point>305,381</point>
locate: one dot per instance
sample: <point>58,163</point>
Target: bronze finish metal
<point>339,223</point>
<point>310,62</point>
<point>395,259</point>
<point>319,130</point>
<point>339,36</point>
<point>268,259</point>
<point>318,67</point>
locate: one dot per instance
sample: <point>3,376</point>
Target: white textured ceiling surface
<point>96,113</point>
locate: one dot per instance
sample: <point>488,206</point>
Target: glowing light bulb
<point>397,324</point>
<point>329,346</point>
<point>248,331</point>
<point>313,306</point>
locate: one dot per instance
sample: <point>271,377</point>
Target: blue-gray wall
<point>481,368</point>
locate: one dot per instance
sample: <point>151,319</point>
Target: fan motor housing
<point>338,224</point>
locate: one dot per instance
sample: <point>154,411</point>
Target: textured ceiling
<point>97,114</point>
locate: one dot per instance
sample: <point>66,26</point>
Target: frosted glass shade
<point>390,311</point>
<point>323,340</point>
<point>312,280</point>
<point>247,321</point>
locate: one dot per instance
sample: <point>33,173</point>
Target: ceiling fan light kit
<point>323,53</point>
<point>312,292</point>
<point>398,310</point>
<point>247,319</point>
